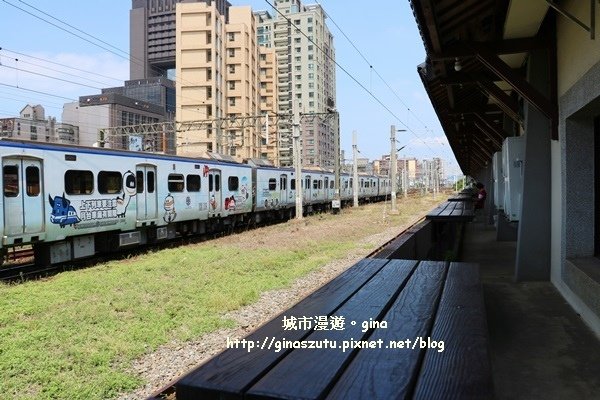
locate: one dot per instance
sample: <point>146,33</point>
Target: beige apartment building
<point>200,68</point>
<point>268,104</point>
<point>217,67</point>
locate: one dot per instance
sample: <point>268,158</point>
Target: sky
<point>371,43</point>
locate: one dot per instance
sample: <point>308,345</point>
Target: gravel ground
<point>174,359</point>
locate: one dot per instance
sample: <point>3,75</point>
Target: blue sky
<point>386,35</point>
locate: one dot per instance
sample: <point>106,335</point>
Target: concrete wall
<point>577,53</point>
<point>575,270</point>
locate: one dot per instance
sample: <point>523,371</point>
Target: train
<point>71,202</point>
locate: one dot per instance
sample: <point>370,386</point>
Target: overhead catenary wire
<point>126,55</point>
<point>350,76</point>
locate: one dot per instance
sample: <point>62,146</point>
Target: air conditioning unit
<point>498,180</point>
<point>513,164</point>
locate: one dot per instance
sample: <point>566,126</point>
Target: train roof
<point>28,144</point>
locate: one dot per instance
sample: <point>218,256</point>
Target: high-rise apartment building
<point>268,104</point>
<point>217,78</point>
<point>152,35</point>
<point>305,57</point>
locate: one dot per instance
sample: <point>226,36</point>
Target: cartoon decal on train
<point>63,213</point>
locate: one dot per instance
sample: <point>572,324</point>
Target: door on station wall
<point>22,195</point>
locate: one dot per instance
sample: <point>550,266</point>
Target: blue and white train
<point>71,202</point>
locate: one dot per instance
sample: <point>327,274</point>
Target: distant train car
<point>71,202</point>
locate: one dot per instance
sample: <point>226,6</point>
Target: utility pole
<point>355,169</point>
<point>405,178</point>
<point>297,163</point>
<point>393,167</point>
<point>336,203</point>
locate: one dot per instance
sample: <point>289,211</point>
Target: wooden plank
<point>463,369</point>
<point>394,245</point>
<point>308,373</point>
<point>236,369</point>
<point>390,373</point>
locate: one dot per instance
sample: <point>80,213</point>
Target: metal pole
<point>297,164</point>
<point>393,167</point>
<point>336,204</point>
<point>355,169</point>
<point>405,178</point>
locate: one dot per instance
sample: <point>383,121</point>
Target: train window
<point>331,184</point>
<point>351,183</point>
<point>233,183</point>
<point>110,182</point>
<point>326,185</point>
<point>210,183</point>
<point>292,184</point>
<point>193,183</point>
<point>272,184</point>
<point>283,183</point>
<point>307,183</point>
<point>175,183</point>
<point>79,182</point>
<point>150,181</point>
<point>139,177</point>
<point>217,182</point>
<point>11,180</point>
<point>32,179</point>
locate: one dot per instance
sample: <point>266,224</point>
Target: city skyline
<point>358,110</point>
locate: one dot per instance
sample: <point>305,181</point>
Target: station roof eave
<point>474,73</point>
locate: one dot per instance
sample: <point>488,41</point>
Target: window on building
<point>232,69</point>
<point>110,182</point>
<point>311,103</point>
<point>310,47</point>
<point>232,85</point>
<point>298,49</point>
<point>231,52</point>
<point>297,40</point>
<point>309,29</point>
<point>231,36</point>
<point>311,85</point>
<point>232,101</point>
<point>311,75</point>
<point>79,182</point>
<point>263,57</point>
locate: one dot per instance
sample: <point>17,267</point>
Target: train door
<point>307,189</point>
<point>21,182</point>
<point>283,190</point>
<point>146,193</point>
<point>214,192</point>
<point>326,188</point>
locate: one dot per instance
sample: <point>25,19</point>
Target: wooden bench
<point>412,244</point>
<point>419,301</point>
<point>451,211</point>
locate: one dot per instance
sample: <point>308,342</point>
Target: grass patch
<point>74,335</point>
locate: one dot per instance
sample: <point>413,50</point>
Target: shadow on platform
<point>540,347</point>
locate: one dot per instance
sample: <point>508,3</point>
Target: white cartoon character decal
<point>129,190</point>
<point>169,205</point>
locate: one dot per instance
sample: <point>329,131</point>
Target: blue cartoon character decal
<point>169,205</point>
<point>129,190</point>
<point>63,213</point>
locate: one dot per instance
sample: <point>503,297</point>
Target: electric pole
<point>393,167</point>
<point>355,169</point>
<point>336,204</point>
<point>297,163</point>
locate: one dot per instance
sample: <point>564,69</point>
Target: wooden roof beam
<point>507,46</point>
<point>519,84</point>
